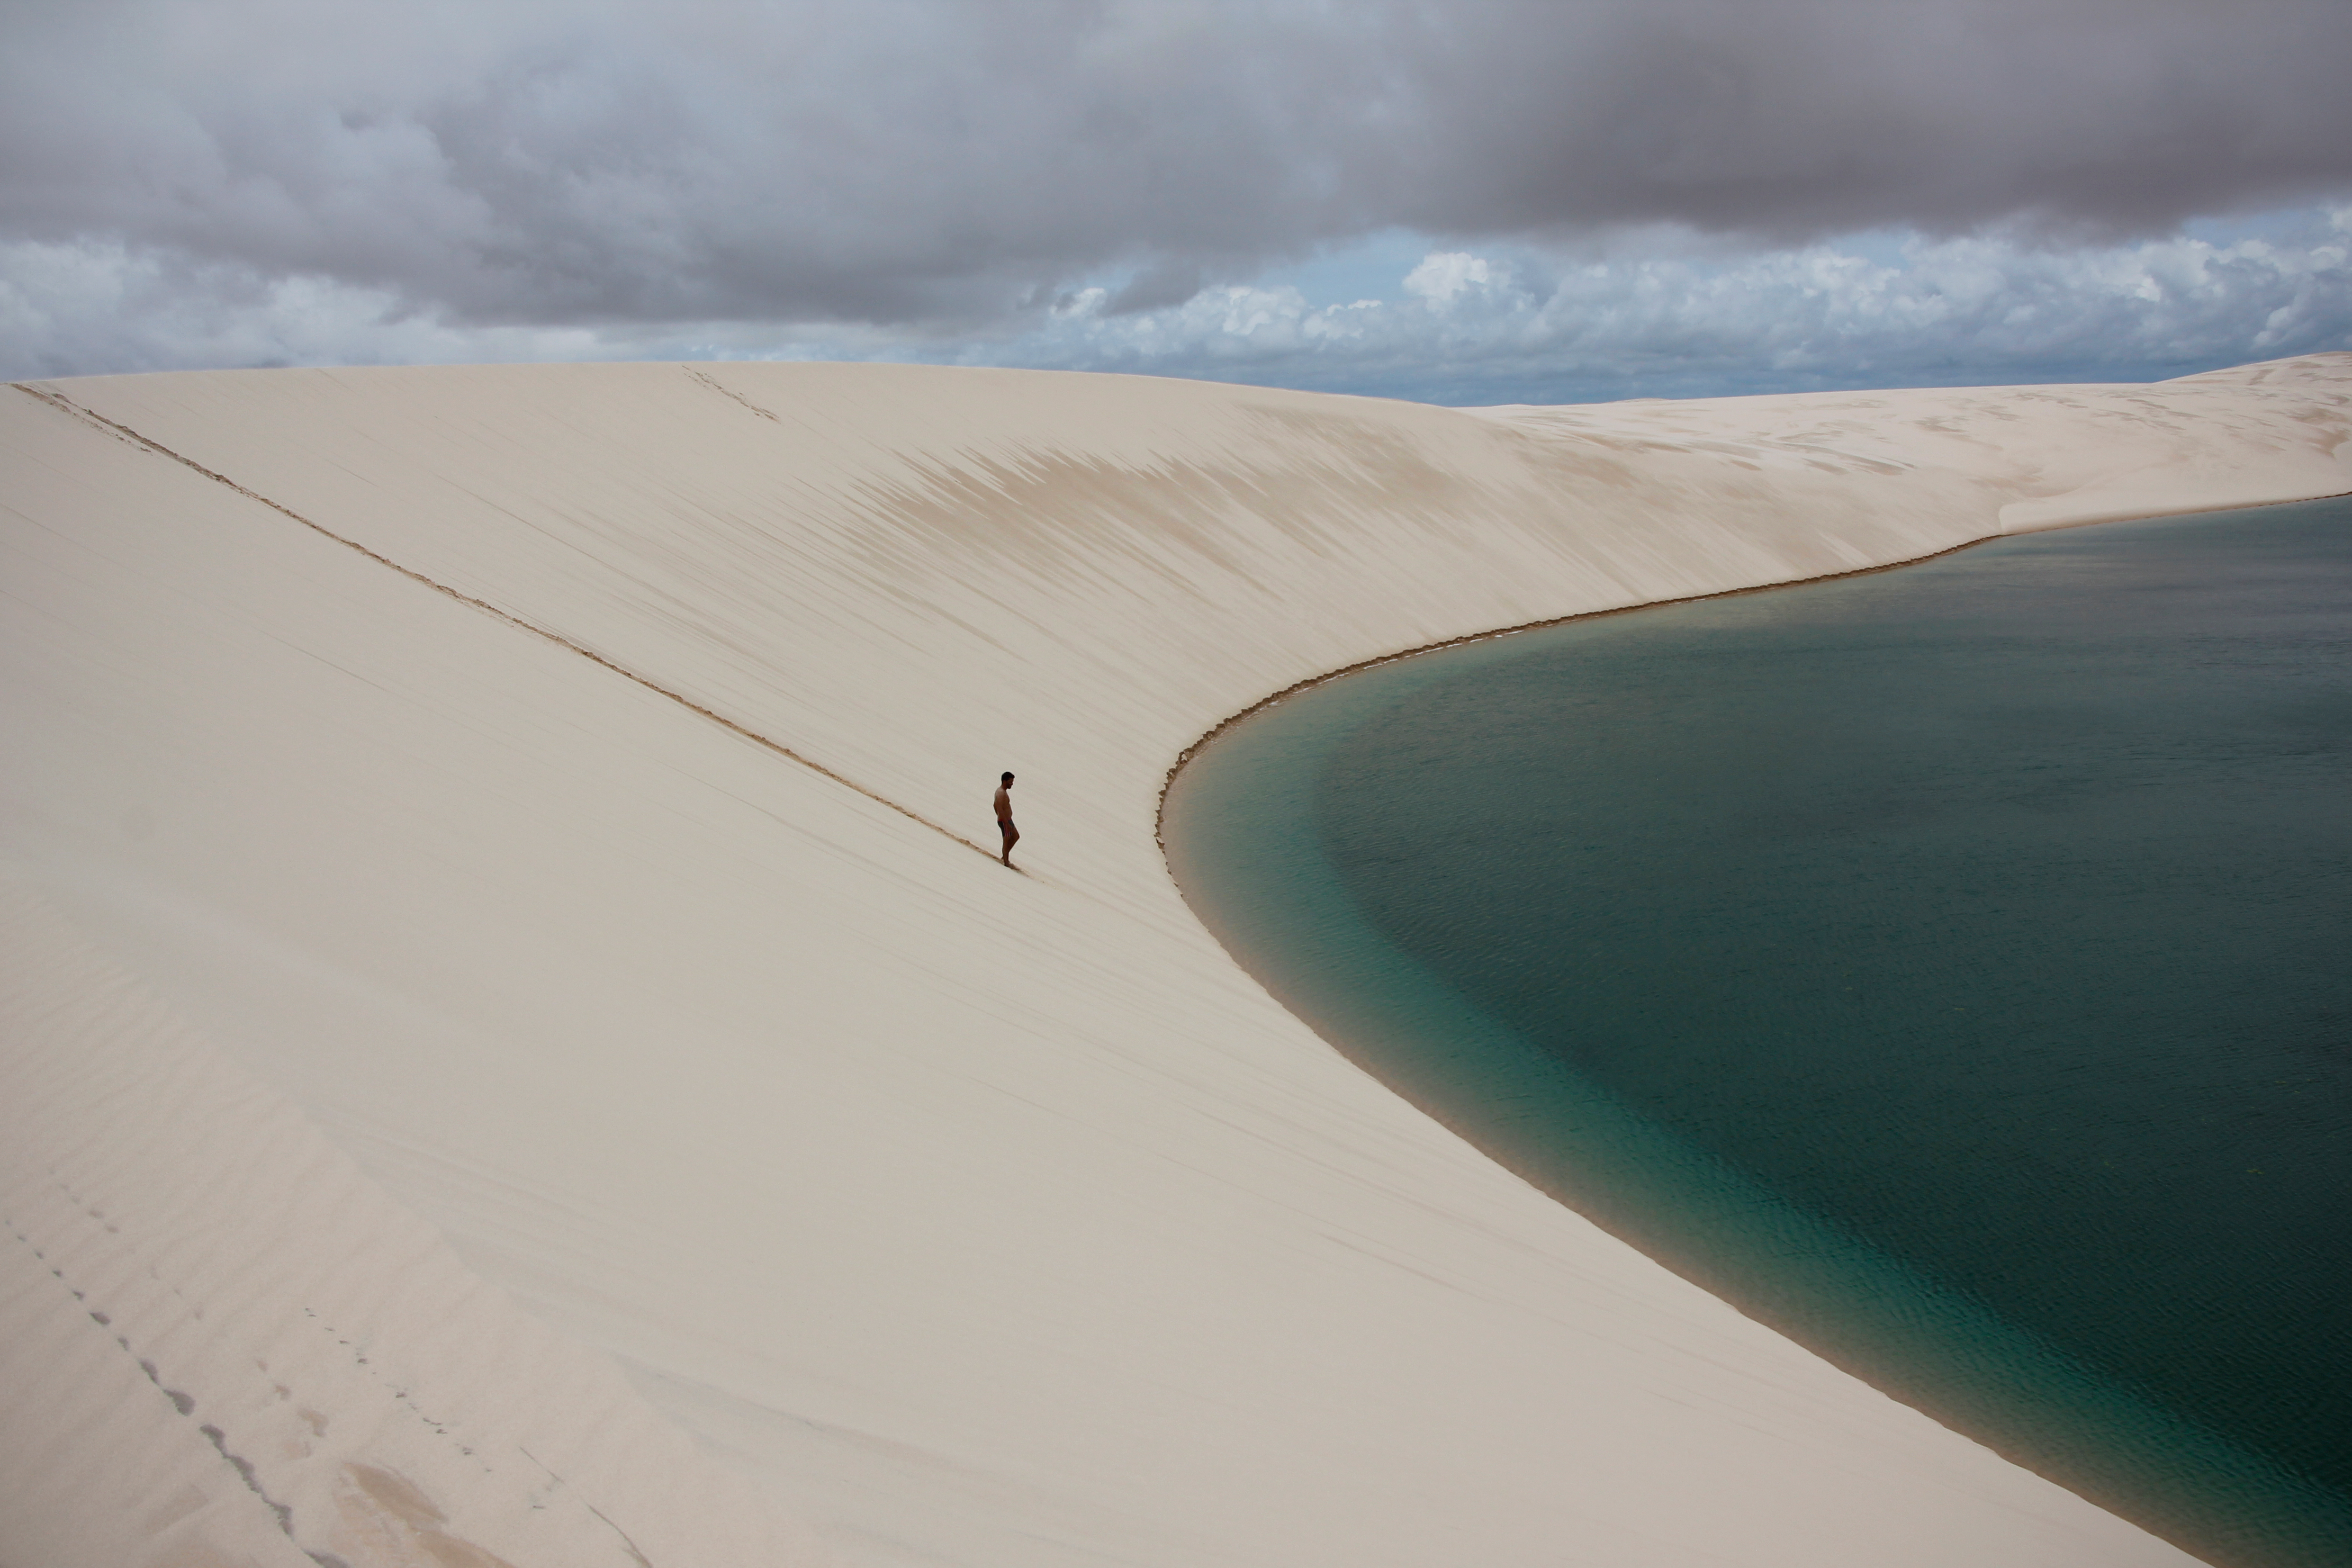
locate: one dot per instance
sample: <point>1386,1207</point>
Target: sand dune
<point>507,1023</point>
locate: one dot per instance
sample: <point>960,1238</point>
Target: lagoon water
<point>1948,966</point>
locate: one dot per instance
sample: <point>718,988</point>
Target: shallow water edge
<point>1243,843</point>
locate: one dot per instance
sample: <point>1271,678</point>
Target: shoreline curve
<point>956,1216</point>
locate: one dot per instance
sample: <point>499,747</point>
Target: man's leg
<point>1012,837</point>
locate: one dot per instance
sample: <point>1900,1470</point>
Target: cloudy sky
<point>1478,200</point>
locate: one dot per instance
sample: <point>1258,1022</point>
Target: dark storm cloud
<point>1789,122</point>
<point>939,163</point>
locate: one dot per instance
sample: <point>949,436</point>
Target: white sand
<point>384,980</point>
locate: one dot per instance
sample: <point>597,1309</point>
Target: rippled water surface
<point>1947,965</point>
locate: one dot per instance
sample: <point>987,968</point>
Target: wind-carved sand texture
<point>510,1054</point>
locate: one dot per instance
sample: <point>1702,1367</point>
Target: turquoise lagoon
<point>1947,966</point>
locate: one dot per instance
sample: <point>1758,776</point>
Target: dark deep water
<point>1947,965</point>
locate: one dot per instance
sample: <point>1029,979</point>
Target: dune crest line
<point>74,410</point>
<point>794,1198</point>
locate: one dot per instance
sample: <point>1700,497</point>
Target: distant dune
<point>511,1054</point>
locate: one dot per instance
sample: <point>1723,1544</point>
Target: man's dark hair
<point>1008,778</point>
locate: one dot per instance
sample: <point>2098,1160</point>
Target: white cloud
<point>97,306</point>
<point>71,308</point>
<point>1460,326</point>
<point>1443,275</point>
<point>1964,309</point>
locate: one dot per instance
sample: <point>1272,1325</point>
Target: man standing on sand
<point>1004,818</point>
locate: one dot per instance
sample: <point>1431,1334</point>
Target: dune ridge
<point>967,1218</point>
